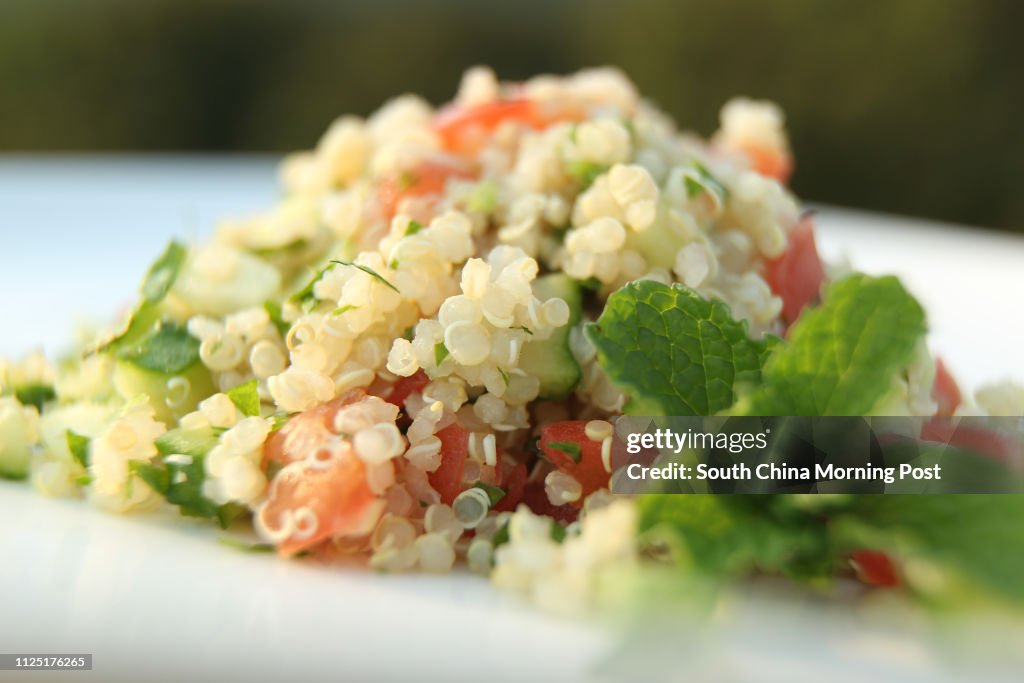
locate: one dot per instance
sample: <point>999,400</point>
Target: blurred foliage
<point>909,106</point>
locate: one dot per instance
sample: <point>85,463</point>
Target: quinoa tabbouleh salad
<point>412,358</point>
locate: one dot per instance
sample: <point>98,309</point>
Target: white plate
<point>157,599</point>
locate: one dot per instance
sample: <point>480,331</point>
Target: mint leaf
<point>843,355</point>
<point>726,536</point>
<point>974,539</point>
<point>246,398</point>
<point>79,447</point>
<point>35,395</point>
<point>163,273</point>
<point>169,349</point>
<point>674,352</point>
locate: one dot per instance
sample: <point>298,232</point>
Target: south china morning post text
<point>740,442</point>
<point>807,455</point>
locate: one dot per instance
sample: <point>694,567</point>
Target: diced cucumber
<point>660,242</point>
<point>550,360</point>
<point>17,436</point>
<point>220,280</point>
<point>170,399</point>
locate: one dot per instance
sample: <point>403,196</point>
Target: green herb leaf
<point>974,541</point>
<point>494,493</point>
<point>275,312</point>
<point>369,271</point>
<point>193,442</point>
<point>484,197</point>
<point>524,328</point>
<point>79,447</point>
<point>157,478</point>
<point>239,544</point>
<point>674,352</point>
<point>725,536</point>
<point>344,309</point>
<point>305,297</point>
<point>440,353</point>
<point>501,537</point>
<point>35,395</point>
<point>158,281</point>
<point>504,376</point>
<point>246,398</point>
<point>570,448</point>
<point>82,480</point>
<point>842,356</point>
<point>557,532</point>
<point>169,349</point>
<point>413,228</point>
<point>585,172</point>
<point>278,420</point>
<point>164,272</point>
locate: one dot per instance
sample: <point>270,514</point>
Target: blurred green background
<point>907,106</point>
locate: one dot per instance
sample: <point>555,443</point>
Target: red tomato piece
<point>945,390</point>
<point>447,478</point>
<point>464,130</point>
<point>969,437</point>
<point>875,568</point>
<point>535,498</point>
<point>589,470</point>
<point>770,163</point>
<point>318,502</point>
<point>406,386</point>
<point>429,178</point>
<point>513,480</point>
<point>797,275</point>
<point>306,432</point>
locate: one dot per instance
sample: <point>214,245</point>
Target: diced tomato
<point>464,130</point>
<point>589,471</point>
<point>447,478</point>
<point>875,568</point>
<point>771,163</point>
<point>429,178</point>
<point>305,432</point>
<point>406,386</point>
<point>945,390</point>
<point>969,437</point>
<point>536,498</point>
<point>331,497</point>
<point>513,480</point>
<point>797,275</point>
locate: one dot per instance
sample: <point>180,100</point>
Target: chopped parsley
<point>369,271</point>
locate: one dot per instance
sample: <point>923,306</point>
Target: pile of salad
<point>417,357</point>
